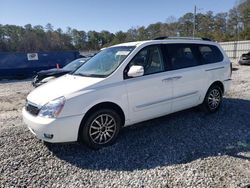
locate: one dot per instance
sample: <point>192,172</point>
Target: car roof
<point>137,43</point>
<point>166,41</point>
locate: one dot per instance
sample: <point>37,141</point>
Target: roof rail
<point>161,38</point>
<point>187,38</point>
<point>207,39</point>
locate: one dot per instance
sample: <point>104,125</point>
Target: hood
<point>61,86</point>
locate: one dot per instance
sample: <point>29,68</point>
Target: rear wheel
<point>212,99</point>
<point>101,128</point>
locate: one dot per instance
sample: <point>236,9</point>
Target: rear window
<point>210,54</point>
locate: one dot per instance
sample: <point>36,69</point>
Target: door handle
<point>167,79</point>
<point>172,78</point>
<point>176,77</point>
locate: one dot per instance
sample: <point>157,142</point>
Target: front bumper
<point>63,129</point>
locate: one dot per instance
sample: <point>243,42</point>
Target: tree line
<point>225,26</point>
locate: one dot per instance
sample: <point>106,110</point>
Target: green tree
<point>106,38</point>
<point>221,27</point>
<point>119,37</point>
<point>154,30</point>
<point>186,24</point>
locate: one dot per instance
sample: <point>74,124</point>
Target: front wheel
<point>212,99</point>
<point>101,128</point>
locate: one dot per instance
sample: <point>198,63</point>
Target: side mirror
<point>136,71</point>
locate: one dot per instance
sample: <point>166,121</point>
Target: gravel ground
<point>185,149</point>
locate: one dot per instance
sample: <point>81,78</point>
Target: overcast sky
<point>111,15</point>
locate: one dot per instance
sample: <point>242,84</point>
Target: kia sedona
<point>126,84</point>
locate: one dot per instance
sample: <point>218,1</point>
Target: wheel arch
<point>107,104</point>
<point>218,83</point>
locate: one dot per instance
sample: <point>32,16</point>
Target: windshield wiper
<point>90,75</point>
<point>79,74</point>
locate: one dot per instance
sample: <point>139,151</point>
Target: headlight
<point>53,108</point>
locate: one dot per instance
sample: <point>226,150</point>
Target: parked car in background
<point>46,75</point>
<point>245,59</point>
<point>126,84</point>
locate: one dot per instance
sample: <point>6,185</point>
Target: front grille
<point>32,109</point>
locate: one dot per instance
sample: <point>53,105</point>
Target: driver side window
<point>150,58</point>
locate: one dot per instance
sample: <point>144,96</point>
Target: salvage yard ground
<point>185,149</point>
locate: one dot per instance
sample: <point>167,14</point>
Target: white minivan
<point>126,84</point>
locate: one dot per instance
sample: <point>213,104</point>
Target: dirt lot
<point>186,149</point>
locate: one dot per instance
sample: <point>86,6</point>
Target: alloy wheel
<point>214,99</point>
<point>102,129</point>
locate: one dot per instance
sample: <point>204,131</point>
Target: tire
<point>101,128</point>
<point>47,144</point>
<point>212,99</point>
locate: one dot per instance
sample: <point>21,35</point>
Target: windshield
<point>75,64</point>
<point>105,62</point>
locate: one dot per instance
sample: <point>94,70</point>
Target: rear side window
<point>210,54</point>
<point>182,56</point>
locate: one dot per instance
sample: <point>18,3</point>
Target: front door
<point>150,95</point>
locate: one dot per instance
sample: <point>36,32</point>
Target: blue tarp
<point>24,65</point>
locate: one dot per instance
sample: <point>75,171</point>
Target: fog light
<point>49,136</point>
